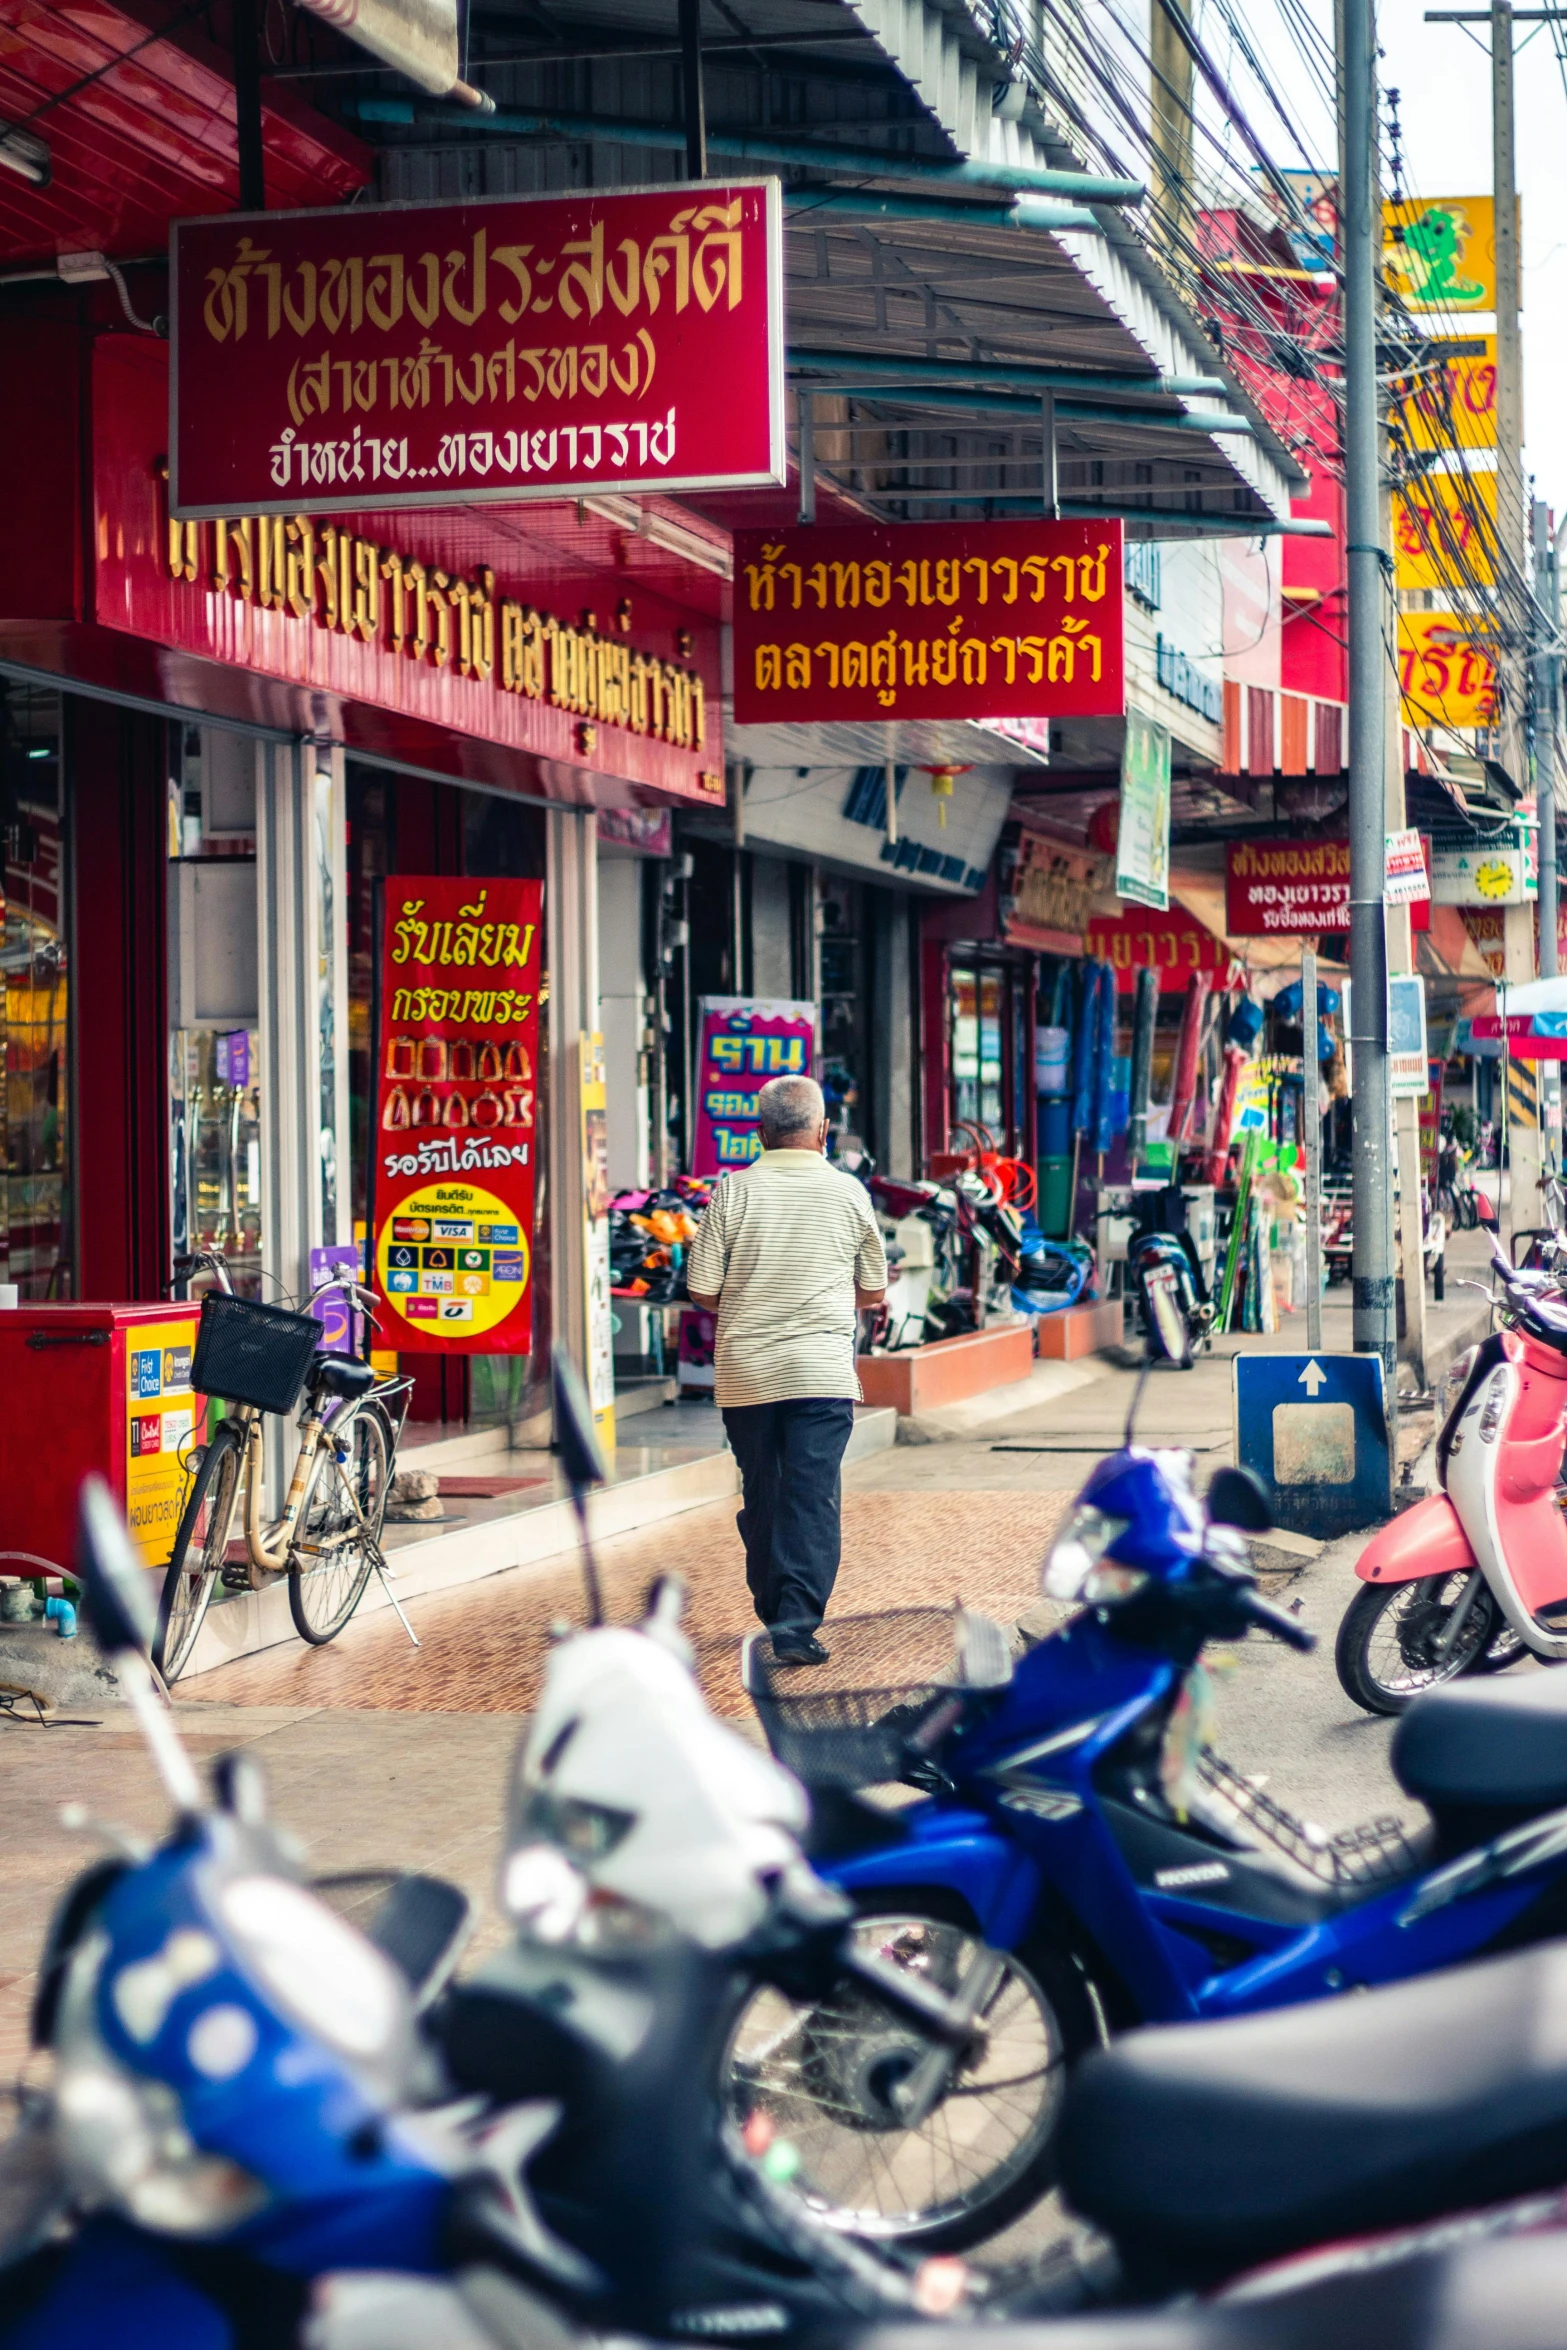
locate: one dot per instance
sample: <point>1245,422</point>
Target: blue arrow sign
<point>1314,1427</point>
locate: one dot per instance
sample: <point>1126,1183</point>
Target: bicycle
<point>328,1540</point>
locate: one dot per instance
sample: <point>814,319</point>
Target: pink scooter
<point>1475,1578</point>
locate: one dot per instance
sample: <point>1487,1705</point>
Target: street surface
<point>378,1753</point>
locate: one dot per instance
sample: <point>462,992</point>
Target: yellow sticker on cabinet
<point>161,1412</point>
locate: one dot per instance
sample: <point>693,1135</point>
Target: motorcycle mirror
<point>117,1601</point>
<point>581,1461</point>
<point>1238,1497</point>
<point>576,1438</point>
<point>116,1595</point>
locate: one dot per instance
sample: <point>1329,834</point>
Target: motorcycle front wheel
<point>1387,1650</point>
<point>818,2076</point>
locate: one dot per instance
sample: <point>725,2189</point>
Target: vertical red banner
<point>454,1138</point>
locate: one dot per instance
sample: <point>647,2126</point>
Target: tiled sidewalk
<point>377,1753</point>
<point>484,1646</point>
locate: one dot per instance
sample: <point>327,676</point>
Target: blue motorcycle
<point>236,2068</point>
<point>1082,1861</point>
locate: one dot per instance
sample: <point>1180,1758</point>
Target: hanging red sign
<point>1296,889</point>
<point>928,620</point>
<point>457,1051</point>
<point>511,348</point>
<point>1174,944</point>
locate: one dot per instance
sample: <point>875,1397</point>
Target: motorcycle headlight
<point>584,1831</point>
<point>122,2141</point>
<point>552,1901</point>
<point>328,1977</point>
<point>1073,1561</point>
<point>543,1892</point>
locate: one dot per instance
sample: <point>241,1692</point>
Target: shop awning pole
<point>1311,1128</point>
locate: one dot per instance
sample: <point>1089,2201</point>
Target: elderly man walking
<point>787,1252</point>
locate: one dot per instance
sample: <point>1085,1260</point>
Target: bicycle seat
<point>341,1375</point>
<point>1486,1745</point>
<point>1207,2148</point>
<point>1499,2296</point>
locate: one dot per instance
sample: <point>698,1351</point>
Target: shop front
<point>223,741</point>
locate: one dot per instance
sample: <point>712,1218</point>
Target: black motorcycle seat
<point>1203,2149</point>
<point>1487,1745</point>
<point>341,1375</point>
<point>1506,2295</point>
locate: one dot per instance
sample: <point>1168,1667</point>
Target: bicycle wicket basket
<point>255,1354</point>
<point>886,1698</point>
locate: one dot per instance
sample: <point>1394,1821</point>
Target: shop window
<point>36,1250</point>
<point>214,1067</point>
<point>845,1011</point>
<point>986,1003</point>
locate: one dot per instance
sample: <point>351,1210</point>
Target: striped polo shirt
<point>784,1245</point>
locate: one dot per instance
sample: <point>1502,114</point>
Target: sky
<point>1444,85</point>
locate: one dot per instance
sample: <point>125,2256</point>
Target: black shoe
<point>798,1648</point>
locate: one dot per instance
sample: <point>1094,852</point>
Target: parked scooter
<point>242,2096</point>
<point>1084,1829</point>
<point>1475,1577</point>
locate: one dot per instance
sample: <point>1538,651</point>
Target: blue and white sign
<point>1315,1427</point>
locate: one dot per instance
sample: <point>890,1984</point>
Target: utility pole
<point>1512,522</point>
<point>1547,708</point>
<point>1374,1324</point>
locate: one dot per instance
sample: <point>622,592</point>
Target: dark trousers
<point>789,1455</point>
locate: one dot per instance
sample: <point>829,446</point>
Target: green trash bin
<point>1055,1198</point>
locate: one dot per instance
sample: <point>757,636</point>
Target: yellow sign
<point>453,1257</point>
<point>1440,254</point>
<point>1451,405</point>
<point>595,1218</point>
<point>1444,531</point>
<point>160,1419</point>
<point>1446,679</point>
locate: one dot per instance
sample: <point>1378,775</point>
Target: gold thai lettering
<point>324,571</point>
<point>236,536</point>
<point>470,312</point>
<point>299,567</point>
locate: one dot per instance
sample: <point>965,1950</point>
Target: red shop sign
<point>928,620</point>
<point>1295,889</point>
<point>458,1051</point>
<point>510,348</point>
<point>1173,944</point>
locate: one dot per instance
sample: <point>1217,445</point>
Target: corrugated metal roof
<point>150,137</point>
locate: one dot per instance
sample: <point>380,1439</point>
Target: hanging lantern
<point>941,782</point>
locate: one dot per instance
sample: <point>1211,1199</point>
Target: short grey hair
<point>788,1106</point>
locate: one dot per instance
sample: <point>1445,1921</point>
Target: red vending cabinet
<point>85,1388</point>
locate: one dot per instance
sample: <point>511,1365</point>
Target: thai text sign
<point>1299,888</point>
<point>1444,532</point>
<point>518,347</point>
<point>1446,678</point>
<point>1174,944</point>
<point>745,1043</point>
<point>1453,405</point>
<point>457,1050</point>
<point>378,597</point>
<point>928,620</point>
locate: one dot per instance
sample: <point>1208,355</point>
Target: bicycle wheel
<point>331,1561</point>
<point>200,1547</point>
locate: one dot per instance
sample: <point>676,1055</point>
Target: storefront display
<point>36,1241</point>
